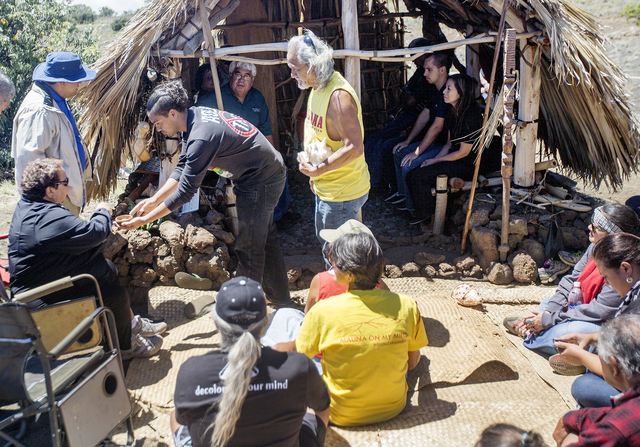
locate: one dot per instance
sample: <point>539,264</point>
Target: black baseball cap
<point>241,301</point>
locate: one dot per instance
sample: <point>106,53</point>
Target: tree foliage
<point>29,30</point>
<point>105,11</point>
<point>81,14</point>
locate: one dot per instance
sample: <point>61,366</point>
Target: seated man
<point>47,242</point>
<point>241,98</point>
<point>243,395</point>
<point>368,350</point>
<point>618,425</point>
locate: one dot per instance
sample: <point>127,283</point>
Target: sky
<point>119,6</point>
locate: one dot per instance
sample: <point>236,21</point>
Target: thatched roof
<point>585,117</point>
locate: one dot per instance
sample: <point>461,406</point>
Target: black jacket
<point>47,242</point>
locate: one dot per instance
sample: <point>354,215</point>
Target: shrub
<point>81,14</point>
<point>119,23</point>
<point>29,30</point>
<point>632,12</point>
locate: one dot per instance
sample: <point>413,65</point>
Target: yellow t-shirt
<point>352,180</point>
<point>365,337</point>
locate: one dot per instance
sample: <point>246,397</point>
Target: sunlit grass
<point>8,188</point>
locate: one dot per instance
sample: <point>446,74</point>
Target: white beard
<point>302,85</point>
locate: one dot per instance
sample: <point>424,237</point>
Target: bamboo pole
<point>208,39</point>
<point>509,95</point>
<point>399,55</point>
<point>483,136</point>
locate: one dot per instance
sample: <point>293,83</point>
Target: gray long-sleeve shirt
<point>601,308</point>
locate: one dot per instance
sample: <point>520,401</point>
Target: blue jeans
<point>543,342</point>
<point>403,171</point>
<point>333,214</point>
<point>590,390</point>
<point>257,245</point>
<point>373,149</point>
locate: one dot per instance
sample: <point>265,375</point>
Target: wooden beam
<point>472,60</point>
<point>398,55</point>
<point>351,42</point>
<point>208,38</point>
<point>513,18</point>
<point>528,112</point>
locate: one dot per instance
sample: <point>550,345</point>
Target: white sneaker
<point>142,347</point>
<point>147,328</point>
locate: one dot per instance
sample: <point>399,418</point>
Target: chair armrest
<point>38,292</point>
<point>85,324</point>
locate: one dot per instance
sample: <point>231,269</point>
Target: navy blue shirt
<point>254,107</point>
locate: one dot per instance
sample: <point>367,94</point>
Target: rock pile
<point>191,244</point>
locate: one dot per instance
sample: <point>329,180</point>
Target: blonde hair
<point>243,347</point>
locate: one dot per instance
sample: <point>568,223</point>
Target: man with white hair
<point>341,181</point>
<point>618,425</point>
<point>241,98</point>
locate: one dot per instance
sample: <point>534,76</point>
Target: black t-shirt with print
<point>228,144</point>
<point>283,385</point>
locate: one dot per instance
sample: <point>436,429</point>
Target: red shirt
<point>608,427</point>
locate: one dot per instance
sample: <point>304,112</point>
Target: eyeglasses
<point>64,182</point>
<point>595,226</point>
<point>309,41</point>
<point>237,76</point>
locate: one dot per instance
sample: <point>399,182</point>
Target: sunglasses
<point>595,226</point>
<point>309,41</point>
<point>64,182</point>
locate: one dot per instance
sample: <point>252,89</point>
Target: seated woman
<point>554,318</point>
<point>369,348</point>
<point>243,395</point>
<point>47,242</point>
<point>618,259</point>
<point>456,159</point>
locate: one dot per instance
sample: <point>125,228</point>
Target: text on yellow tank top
<point>348,182</point>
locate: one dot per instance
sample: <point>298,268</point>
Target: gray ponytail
<point>244,350</point>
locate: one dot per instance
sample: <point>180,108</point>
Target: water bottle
<point>575,296</point>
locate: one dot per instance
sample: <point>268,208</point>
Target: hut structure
<point>572,99</point>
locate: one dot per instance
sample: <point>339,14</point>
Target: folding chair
<point>84,395</point>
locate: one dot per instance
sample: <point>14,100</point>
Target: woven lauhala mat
<point>461,339</point>
<point>539,362</point>
<point>469,377</point>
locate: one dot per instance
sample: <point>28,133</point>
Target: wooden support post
<point>208,39</point>
<point>509,95</point>
<point>441,204</point>
<point>352,42</point>
<point>528,110</point>
<point>472,60</point>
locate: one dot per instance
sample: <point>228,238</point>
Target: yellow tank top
<point>352,180</point>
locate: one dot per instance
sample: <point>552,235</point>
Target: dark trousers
<point>375,150</point>
<point>421,180</point>
<point>257,245</point>
<point>114,296</point>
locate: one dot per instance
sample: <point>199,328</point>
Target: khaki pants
<point>75,210</point>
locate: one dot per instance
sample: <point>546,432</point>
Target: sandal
<point>560,366</point>
<point>515,326</point>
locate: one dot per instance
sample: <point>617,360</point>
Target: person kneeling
<point>243,394</point>
<point>369,348</point>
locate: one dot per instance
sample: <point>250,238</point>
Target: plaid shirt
<point>608,427</point>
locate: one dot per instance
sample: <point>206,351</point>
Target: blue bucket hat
<point>63,67</point>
